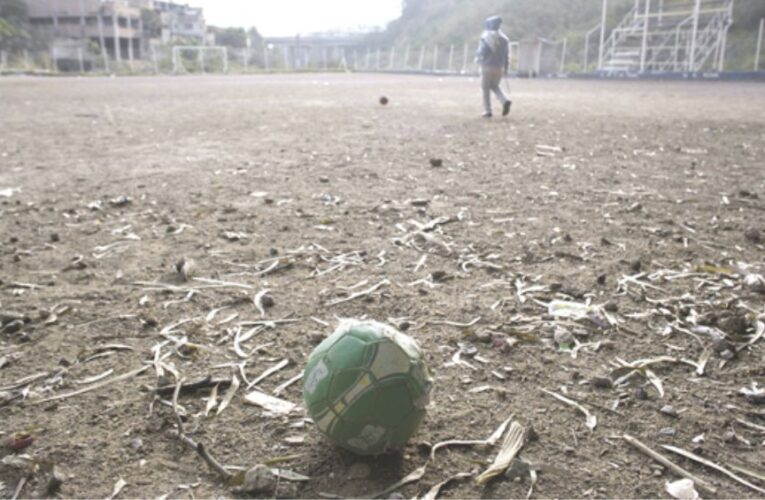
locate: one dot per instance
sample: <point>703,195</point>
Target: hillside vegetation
<point>445,22</point>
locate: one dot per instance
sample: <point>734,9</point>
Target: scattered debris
<point>257,479</point>
<point>270,403</point>
<point>433,492</point>
<point>712,465</point>
<point>682,489</point>
<point>511,445</point>
<point>754,395</point>
<point>118,487</point>
<point>412,477</point>
<point>642,448</point>
<point>590,420</point>
<point>491,441</point>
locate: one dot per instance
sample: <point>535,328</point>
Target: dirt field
<point>647,201</point>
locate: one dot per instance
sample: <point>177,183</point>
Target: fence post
<point>601,46</point>
<point>435,58</point>
<point>451,57</point>
<point>422,58</point>
<point>154,58</point>
<point>26,59</point>
<point>644,45</point>
<point>54,60</point>
<point>102,42</point>
<point>225,59</point>
<point>377,67</point>
<point>324,57</point>
<point>266,62</point>
<point>3,60</point>
<point>759,45</point>
<point>692,56</point>
<point>392,58</point>
<point>464,58</point>
<point>115,28</point>
<point>80,60</point>
<point>406,58</point>
<point>130,50</point>
<point>563,56</point>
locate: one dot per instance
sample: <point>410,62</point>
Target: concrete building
<point>315,51</point>
<point>78,29</point>
<point>115,26</point>
<point>181,21</point>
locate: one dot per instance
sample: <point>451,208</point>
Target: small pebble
<point>267,301</point>
<point>669,410</point>
<point>611,306</point>
<point>640,394</point>
<point>667,431</point>
<point>753,235</point>
<point>602,383</point>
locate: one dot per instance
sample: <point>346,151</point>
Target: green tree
<point>152,23</point>
<point>230,37</point>
<point>14,33</point>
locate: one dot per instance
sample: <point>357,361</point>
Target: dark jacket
<point>494,49</point>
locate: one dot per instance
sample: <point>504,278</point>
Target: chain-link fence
<point>537,57</point>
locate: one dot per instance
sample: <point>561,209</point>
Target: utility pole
<point>602,34</point>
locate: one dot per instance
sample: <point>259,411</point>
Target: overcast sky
<point>290,17</point>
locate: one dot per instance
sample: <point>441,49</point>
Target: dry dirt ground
<point>646,203</point>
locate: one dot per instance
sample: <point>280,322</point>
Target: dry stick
<point>19,487</point>
<point>712,465</point>
<point>638,445</point>
<point>491,441</point>
<point>93,387</point>
<point>201,451</point>
<point>591,421</point>
<point>745,471</point>
<point>205,383</point>
<point>364,293</point>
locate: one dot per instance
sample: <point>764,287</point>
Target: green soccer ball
<point>366,387</point>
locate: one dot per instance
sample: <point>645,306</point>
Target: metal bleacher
<point>658,36</point>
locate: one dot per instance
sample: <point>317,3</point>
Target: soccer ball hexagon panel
<point>367,387</point>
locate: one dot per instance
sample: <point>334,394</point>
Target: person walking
<point>493,55</point>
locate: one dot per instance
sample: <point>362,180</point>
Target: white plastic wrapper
<point>683,489</point>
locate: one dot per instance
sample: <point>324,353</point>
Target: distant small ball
<point>384,101</point>
<point>366,387</point>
